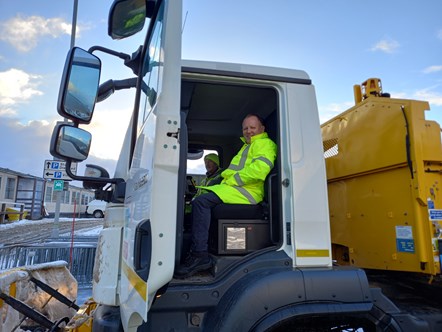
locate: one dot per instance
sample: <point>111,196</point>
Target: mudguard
<point>260,300</point>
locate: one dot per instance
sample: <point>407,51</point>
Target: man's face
<point>211,167</point>
<point>251,127</point>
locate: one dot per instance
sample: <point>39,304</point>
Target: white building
<point>38,197</point>
<point>73,200</point>
<point>19,189</point>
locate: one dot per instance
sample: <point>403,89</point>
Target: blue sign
<point>404,239</point>
<point>439,244</point>
<point>56,170</point>
<point>435,214</point>
<point>55,165</point>
<point>405,245</point>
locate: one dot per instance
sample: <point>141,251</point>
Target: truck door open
<point>148,250</point>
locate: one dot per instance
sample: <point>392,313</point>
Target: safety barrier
<point>80,256</point>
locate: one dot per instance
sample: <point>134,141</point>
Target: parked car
<point>96,208</point>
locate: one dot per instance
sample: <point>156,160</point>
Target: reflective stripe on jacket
<point>243,180</point>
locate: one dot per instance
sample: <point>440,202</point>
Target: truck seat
<point>238,211</point>
<point>238,229</point>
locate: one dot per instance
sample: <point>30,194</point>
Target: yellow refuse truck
<point>384,166</point>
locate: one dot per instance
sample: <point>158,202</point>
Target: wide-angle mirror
<point>126,18</point>
<point>79,86</point>
<point>70,143</point>
<point>94,171</point>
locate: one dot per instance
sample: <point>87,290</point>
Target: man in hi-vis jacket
<point>243,183</point>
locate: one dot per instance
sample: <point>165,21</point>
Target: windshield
<point>196,167</point>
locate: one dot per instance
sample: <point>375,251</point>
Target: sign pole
<point>55,226</point>
<point>56,171</point>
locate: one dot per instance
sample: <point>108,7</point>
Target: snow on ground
<point>35,222</point>
<point>88,232</point>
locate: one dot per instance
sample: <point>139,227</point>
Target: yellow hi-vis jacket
<point>243,180</point>
<point>209,180</point>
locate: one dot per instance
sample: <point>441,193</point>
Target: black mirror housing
<point>94,171</point>
<point>79,86</point>
<point>126,18</point>
<point>70,143</point>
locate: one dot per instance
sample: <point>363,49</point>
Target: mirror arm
<point>126,84</point>
<point>133,62</point>
<point>124,56</point>
<point>110,86</point>
<point>90,178</point>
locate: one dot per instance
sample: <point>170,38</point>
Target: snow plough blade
<point>37,296</point>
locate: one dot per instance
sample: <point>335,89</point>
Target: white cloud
<point>27,147</point>
<point>399,95</point>
<point>17,86</point>
<point>427,94</point>
<point>108,128</point>
<point>7,112</point>
<point>432,69</point>
<point>23,33</point>
<point>331,110</point>
<point>434,98</point>
<point>386,46</point>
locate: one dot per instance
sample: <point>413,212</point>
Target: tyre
<point>327,324</point>
<point>98,214</point>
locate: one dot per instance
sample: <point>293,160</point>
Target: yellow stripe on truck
<point>137,283</point>
<point>312,253</point>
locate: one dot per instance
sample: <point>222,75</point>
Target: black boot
<point>194,263</point>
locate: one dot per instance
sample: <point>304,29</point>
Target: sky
<point>339,43</point>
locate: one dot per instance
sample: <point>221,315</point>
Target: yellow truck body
<point>384,173</point>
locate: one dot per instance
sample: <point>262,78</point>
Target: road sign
<point>58,185</point>
<point>56,170</point>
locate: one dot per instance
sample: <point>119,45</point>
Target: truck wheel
<point>98,214</point>
<point>325,324</point>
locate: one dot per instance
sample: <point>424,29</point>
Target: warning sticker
<point>404,239</point>
<point>435,214</point>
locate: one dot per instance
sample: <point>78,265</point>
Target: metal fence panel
<point>81,265</point>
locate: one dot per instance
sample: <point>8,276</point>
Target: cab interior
<point>211,119</point>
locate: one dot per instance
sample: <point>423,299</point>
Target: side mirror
<point>79,86</point>
<point>194,154</point>
<point>70,142</point>
<point>94,171</point>
<point>126,18</point>
<point>73,144</point>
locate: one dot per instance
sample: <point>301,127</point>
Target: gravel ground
<point>28,231</point>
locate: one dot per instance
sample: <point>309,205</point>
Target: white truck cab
<point>273,269</point>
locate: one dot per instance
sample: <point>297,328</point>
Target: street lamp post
<point>74,23</point>
<point>55,228</point>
